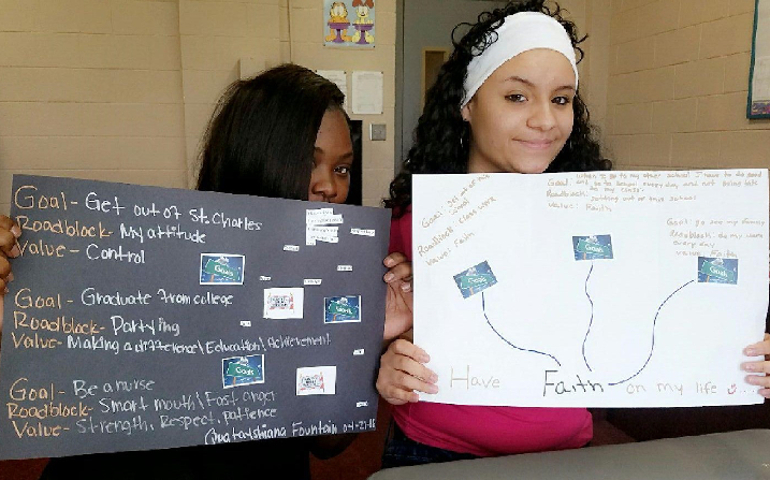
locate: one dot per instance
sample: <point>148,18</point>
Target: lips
<point>537,144</point>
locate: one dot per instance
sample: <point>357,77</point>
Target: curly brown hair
<point>441,139</point>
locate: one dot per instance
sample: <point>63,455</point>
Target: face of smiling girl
<point>521,117</point>
<point>333,157</point>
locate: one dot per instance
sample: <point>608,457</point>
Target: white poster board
<point>591,289</point>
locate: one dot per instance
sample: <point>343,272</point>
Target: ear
<point>466,111</point>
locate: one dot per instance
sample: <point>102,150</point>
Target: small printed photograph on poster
<point>244,370</point>
<point>221,269</point>
<point>759,77</point>
<point>349,23</point>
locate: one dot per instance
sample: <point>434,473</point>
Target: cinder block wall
<point>304,23</point>
<point>91,89</point>
<point>678,85</point>
<point>217,39</point>
<point>676,99</point>
<point>121,90</point>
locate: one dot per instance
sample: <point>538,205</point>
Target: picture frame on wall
<point>759,77</point>
<point>349,23</point>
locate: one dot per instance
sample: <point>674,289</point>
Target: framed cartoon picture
<point>759,78</point>
<point>349,23</point>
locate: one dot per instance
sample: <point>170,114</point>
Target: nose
<point>542,116</point>
<point>322,186</point>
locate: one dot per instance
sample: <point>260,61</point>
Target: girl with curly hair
<point>443,140</point>
<point>506,100</point>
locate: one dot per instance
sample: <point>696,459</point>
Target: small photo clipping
<point>718,270</point>
<point>241,371</point>
<point>316,380</point>
<point>342,309</point>
<point>475,279</point>
<point>592,247</point>
<point>221,269</point>
<point>284,303</point>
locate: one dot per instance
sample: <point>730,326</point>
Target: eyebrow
<point>515,78</point>
<point>343,157</point>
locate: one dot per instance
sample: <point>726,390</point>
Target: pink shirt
<point>486,431</point>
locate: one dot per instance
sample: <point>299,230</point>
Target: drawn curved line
<point>591,321</point>
<point>484,309</point>
<point>652,347</point>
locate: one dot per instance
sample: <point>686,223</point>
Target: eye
<point>562,100</point>
<point>516,98</point>
<point>342,170</point>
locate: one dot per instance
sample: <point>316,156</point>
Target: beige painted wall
<point>678,82</point>
<point>306,27</point>
<point>121,90</point>
<point>595,72</point>
<point>91,89</point>
<point>592,18</point>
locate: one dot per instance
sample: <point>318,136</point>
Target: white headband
<point>520,32</point>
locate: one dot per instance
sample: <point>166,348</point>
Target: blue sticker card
<point>221,269</point>
<point>475,279</point>
<point>240,371</point>
<point>343,309</point>
<point>592,247</point>
<point>718,270</point>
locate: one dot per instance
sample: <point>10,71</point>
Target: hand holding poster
<point>145,318</point>
<point>591,289</point>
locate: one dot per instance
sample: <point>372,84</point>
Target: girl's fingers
<point>398,386</point>
<point>7,224</point>
<point>405,357</point>
<point>402,271</point>
<point>9,234</point>
<point>402,373</point>
<point>409,349</point>
<point>760,368</point>
<point>5,268</point>
<point>394,259</point>
<point>759,348</point>
<point>759,381</point>
<point>756,367</point>
<point>8,244</point>
<point>394,380</point>
<point>415,370</point>
<point>5,275</point>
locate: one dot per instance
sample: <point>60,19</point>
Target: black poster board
<point>145,318</point>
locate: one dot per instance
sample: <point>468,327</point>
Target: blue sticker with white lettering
<point>240,371</point>
<point>475,279</point>
<point>718,270</point>
<point>342,309</point>
<point>221,269</point>
<point>592,247</point>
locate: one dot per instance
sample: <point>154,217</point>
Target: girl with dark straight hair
<point>281,134</point>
